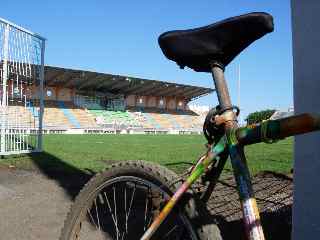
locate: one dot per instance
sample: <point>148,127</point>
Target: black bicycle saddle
<point>220,42</point>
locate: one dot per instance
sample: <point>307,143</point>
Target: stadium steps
<point>69,114</point>
<point>172,120</point>
<point>140,118</point>
<point>188,119</point>
<point>150,119</point>
<point>19,116</point>
<point>115,117</point>
<point>54,117</point>
<point>161,118</point>
<point>198,121</point>
<point>183,121</point>
<point>161,121</point>
<point>33,110</point>
<point>166,120</point>
<point>84,118</point>
<point>176,119</point>
<point>153,118</point>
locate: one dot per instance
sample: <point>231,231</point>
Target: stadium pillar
<point>306,84</point>
<point>135,100</point>
<point>72,93</point>
<point>58,88</point>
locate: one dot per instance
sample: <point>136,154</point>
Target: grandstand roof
<point>118,84</point>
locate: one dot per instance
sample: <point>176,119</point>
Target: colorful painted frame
<point>234,140</point>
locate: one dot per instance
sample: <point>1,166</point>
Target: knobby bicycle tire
<point>189,212</point>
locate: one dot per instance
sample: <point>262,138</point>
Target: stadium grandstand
<point>78,101</point>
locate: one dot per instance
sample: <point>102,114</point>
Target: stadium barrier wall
<point>121,131</point>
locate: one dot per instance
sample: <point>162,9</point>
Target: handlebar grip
<point>278,129</point>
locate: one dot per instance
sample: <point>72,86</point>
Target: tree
<point>259,116</point>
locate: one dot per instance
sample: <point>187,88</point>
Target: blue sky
<point>120,37</point>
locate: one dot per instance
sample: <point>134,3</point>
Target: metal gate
<point>21,89</point>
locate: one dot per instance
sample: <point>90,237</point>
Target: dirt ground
<point>34,204</point>
<point>273,193</point>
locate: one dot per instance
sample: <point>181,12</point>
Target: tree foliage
<point>259,116</point>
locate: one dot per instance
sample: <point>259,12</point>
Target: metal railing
<point>21,85</point>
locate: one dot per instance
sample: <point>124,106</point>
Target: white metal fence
<point>21,89</point>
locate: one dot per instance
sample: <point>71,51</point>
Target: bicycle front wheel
<point>121,202</point>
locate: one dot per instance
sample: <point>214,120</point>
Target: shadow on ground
<point>70,178</point>
<point>273,192</point>
<point>274,197</point>
<point>276,225</point>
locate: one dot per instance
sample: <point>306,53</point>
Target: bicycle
<point>141,200</point>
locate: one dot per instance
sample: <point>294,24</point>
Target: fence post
<point>40,137</point>
<point>4,87</point>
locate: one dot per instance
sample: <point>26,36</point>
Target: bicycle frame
<point>234,140</point>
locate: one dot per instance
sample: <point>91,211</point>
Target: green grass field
<point>94,152</point>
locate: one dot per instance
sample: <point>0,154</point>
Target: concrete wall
<point>171,103</point>
<point>306,64</point>
<point>63,94</point>
<point>67,94</point>
<point>131,100</point>
<point>151,102</point>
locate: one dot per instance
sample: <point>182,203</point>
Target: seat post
<point>221,86</point>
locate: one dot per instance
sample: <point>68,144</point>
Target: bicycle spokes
<point>125,210</point>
